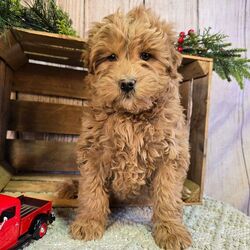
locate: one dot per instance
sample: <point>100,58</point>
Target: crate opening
<point>44,79</point>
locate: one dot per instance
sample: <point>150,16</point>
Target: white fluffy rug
<point>214,225</point>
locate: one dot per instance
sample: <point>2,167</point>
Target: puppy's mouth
<point>128,95</point>
<point>131,103</point>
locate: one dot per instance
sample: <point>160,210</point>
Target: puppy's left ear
<point>175,56</point>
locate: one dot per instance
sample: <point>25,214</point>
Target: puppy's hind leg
<point>68,189</point>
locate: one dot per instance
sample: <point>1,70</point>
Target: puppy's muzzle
<point>127,85</point>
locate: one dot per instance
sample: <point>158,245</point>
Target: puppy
<point>133,130</point>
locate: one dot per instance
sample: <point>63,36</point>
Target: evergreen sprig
<point>43,15</point>
<point>228,62</point>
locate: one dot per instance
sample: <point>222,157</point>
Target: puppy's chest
<point>136,148</point>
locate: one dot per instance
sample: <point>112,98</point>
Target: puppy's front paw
<point>86,230</point>
<point>172,238</point>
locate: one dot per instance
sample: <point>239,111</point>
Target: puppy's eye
<point>112,58</point>
<point>145,56</point>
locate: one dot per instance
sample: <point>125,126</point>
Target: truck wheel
<point>40,229</point>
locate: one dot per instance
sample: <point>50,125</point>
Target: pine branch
<point>228,62</point>
<point>42,15</point>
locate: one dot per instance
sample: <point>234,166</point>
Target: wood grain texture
<point>198,130</point>
<point>182,13</point>
<point>226,177</point>
<point>5,91</point>
<point>245,135</point>
<point>5,174</point>
<point>32,186</point>
<point>2,108</point>
<point>57,60</point>
<point>45,177</point>
<point>37,187</point>
<point>48,99</point>
<point>94,11</point>
<point>11,51</point>
<point>44,117</point>
<point>196,69</point>
<point>57,51</point>
<point>41,156</point>
<point>56,202</point>
<point>48,80</point>
<point>39,37</point>
<point>49,47</point>
<point>186,59</point>
<point>6,78</point>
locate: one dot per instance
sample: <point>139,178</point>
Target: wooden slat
<point>49,80</point>
<point>53,59</point>
<point>56,51</point>
<point>5,174</point>
<point>186,59</point>
<point>196,69</point>
<point>6,79</point>
<point>56,202</point>
<point>4,99</point>
<point>11,51</point>
<point>198,130</point>
<point>5,92</point>
<point>45,117</point>
<point>36,156</point>
<point>32,186</point>
<point>36,178</point>
<point>73,203</point>
<point>207,112</point>
<point>24,35</point>
<point>38,188</point>
<point>45,177</point>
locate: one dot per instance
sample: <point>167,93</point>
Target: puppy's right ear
<point>175,56</point>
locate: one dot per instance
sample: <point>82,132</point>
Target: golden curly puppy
<point>133,131</point>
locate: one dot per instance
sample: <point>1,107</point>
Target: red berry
<point>191,31</point>
<point>182,34</point>
<point>180,49</point>
<point>181,40</point>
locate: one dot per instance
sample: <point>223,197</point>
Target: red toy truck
<point>22,218</point>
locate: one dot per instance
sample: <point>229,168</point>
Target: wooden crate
<point>42,95</point>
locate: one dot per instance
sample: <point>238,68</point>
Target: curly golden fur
<point>130,139</point>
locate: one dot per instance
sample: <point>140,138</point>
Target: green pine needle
<point>228,62</point>
<point>43,15</point>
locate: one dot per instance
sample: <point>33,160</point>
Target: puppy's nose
<point>127,85</point>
